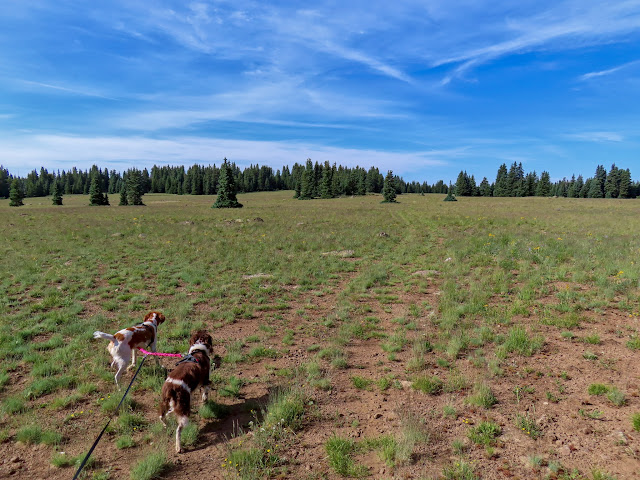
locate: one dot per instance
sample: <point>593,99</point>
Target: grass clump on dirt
<point>429,385</point>
<point>340,453</point>
<point>482,396</point>
<point>485,433</point>
<point>152,466</point>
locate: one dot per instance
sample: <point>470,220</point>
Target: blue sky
<point>425,88</point>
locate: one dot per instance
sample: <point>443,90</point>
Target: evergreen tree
<point>501,188</point>
<point>485,188</point>
<point>543,189</point>
<point>95,192</point>
<point>15,194</point>
<point>450,196</point>
<point>56,197</point>
<point>307,184</point>
<point>325,186</point>
<point>625,183</point>
<point>123,197</point>
<point>133,187</point>
<point>226,188</point>
<point>612,183</point>
<point>389,188</point>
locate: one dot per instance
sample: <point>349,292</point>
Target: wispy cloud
<point>67,90</point>
<point>602,73</point>
<point>596,136</point>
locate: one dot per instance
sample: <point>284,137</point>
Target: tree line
<point>310,180</point>
<point>513,182</point>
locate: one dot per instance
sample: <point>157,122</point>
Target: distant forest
<point>315,180</point>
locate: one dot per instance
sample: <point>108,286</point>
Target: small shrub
<point>150,467</point>
<point>31,435</point>
<point>125,441</point>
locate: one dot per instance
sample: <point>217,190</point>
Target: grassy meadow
<point>423,339</point>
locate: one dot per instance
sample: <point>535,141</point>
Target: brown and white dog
<point>123,344</point>
<point>189,374</point>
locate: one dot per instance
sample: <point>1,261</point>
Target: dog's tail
<point>106,336</point>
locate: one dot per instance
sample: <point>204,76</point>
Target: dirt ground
<point>572,434</point>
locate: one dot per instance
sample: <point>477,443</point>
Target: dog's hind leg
<point>205,393</point>
<point>133,358</point>
<point>122,366</point>
<point>183,420</point>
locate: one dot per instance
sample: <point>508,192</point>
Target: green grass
<point>361,383</point>
<point>152,466</point>
<point>485,433</point>
<point>340,453</point>
<point>635,421</point>
<point>527,425</point>
<point>510,283</point>
<point>597,389</point>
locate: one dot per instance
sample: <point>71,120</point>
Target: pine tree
<point>95,192</point>
<point>56,196</point>
<point>389,188</point>
<point>134,187</point>
<point>15,194</point>
<point>325,184</point>
<point>450,196</point>
<point>625,183</point>
<point>123,197</point>
<point>307,185</point>
<point>501,188</point>
<point>226,188</point>
<point>543,189</point>
<point>485,188</point>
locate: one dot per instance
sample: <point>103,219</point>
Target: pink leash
<point>160,354</point>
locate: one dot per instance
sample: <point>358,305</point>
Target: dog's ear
<point>160,317</point>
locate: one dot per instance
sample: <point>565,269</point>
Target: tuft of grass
<point>485,433</point>
<point>519,341</point>
<point>459,471</point>
<point>13,405</point>
<point>152,466</point>
<point>361,383</point>
<point>482,396</point>
<point>286,408</point>
<point>339,452</point>
<point>597,389</point>
<point>617,397</point>
<point>430,385</point>
<point>130,422</point>
<point>190,434</point>
<point>31,435</point>
<point>211,409</point>
<point>589,356</point>
<point>232,388</point>
<point>125,441</point>
<point>635,421</point>
<point>597,474</point>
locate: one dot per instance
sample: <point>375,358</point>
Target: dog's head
<point>157,316</point>
<point>202,337</point>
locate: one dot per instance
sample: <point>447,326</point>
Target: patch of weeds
<point>450,411</point>
<point>288,337</point>
<point>443,363</point>
<point>131,422</point>
<point>456,382</point>
<point>211,409</point>
<point>594,414</point>
<point>314,348</point>
<point>31,435</point>
<point>339,452</point>
<point>361,383</point>
<point>535,461</point>
<point>395,343</point>
<point>232,388</point>
<point>150,467</point>
<point>597,389</point>
<point>109,403</point>
<point>589,355</point>
<point>482,396</point>
<point>635,421</point>
<point>485,433</point>
<point>568,335</point>
<point>430,385</point>
<point>384,383</point>
<point>286,408</point>
<point>61,460</point>
<point>249,463</point>
<point>617,397</point>
<point>263,352</point>
<point>335,355</point>
<point>48,385</point>
<point>552,397</point>
<point>316,376</point>
<point>634,343</point>
<point>459,471</point>
<point>520,392</point>
<point>125,441</point>
<point>597,474</point>
<point>458,447</point>
<point>528,425</point>
<point>593,339</point>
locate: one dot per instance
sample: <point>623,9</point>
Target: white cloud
<point>596,136</point>
<point>58,151</point>
<point>609,71</point>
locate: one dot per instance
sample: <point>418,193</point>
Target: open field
<point>485,338</point>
